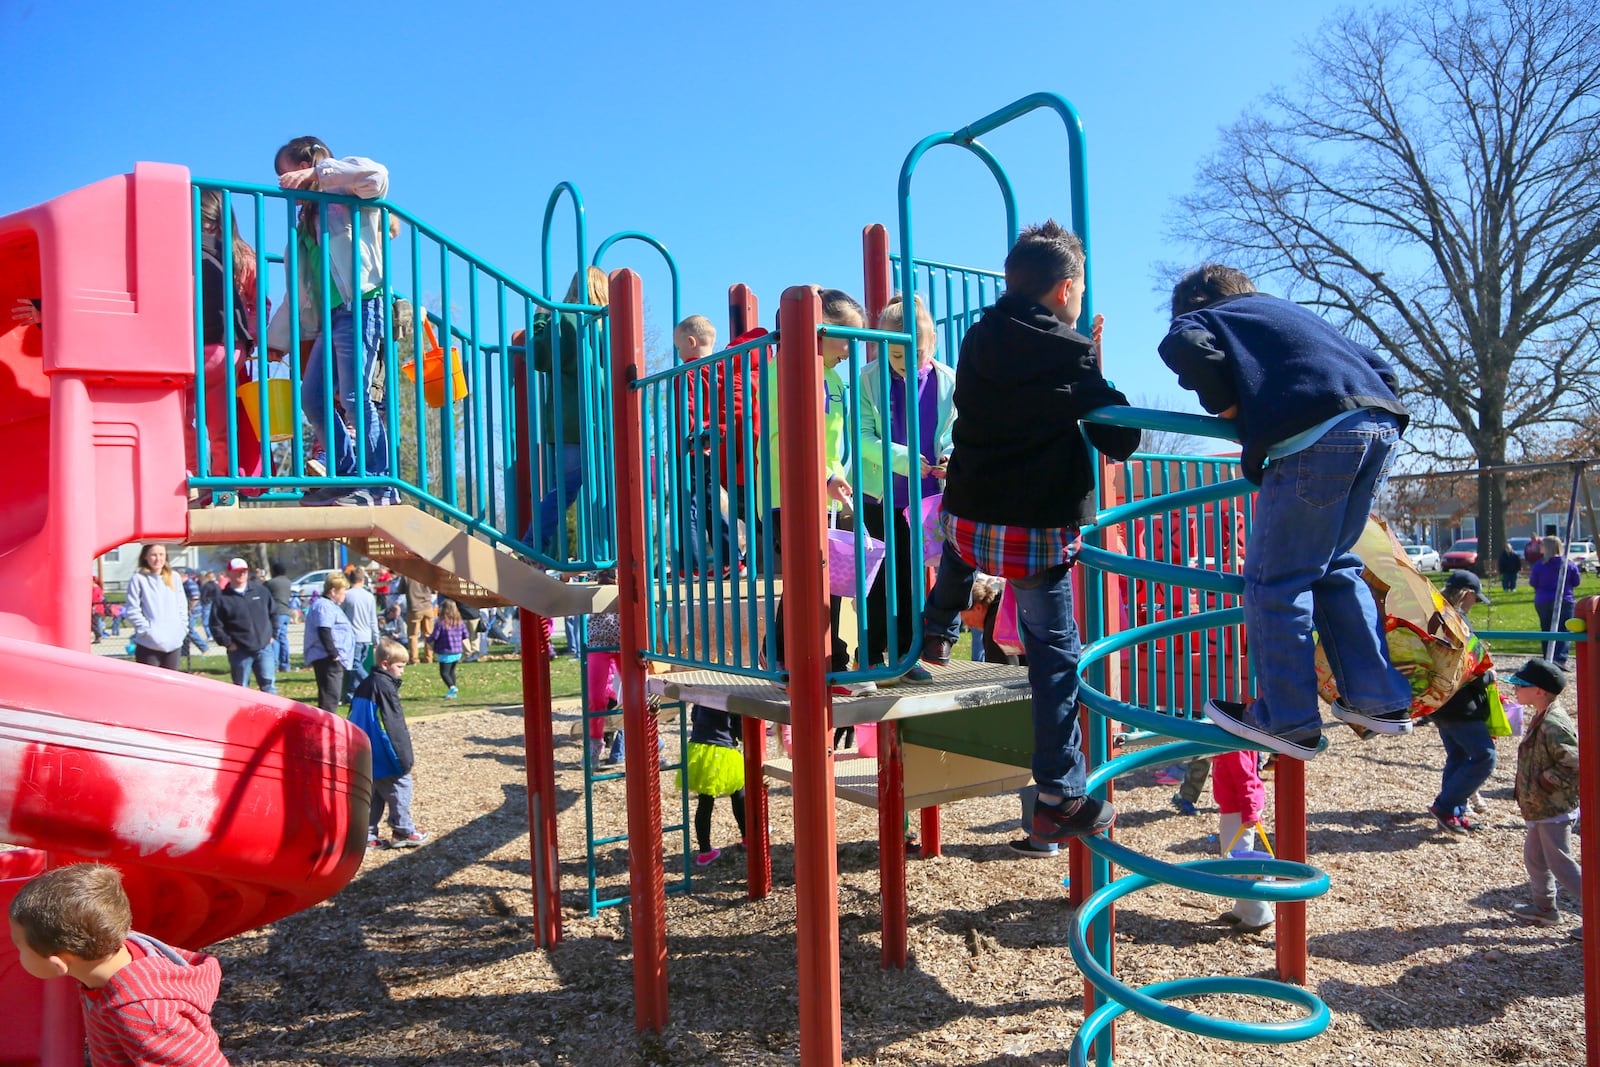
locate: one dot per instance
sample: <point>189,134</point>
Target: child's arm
<point>394,724</point>
<point>1565,744</point>
<point>1202,368</point>
<point>353,176</point>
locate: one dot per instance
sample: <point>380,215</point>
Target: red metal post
<point>538,719</point>
<point>1588,719</point>
<point>758,842</point>
<point>805,602</point>
<point>932,842</point>
<point>877,272</point>
<point>1289,794</point>
<point>892,844</point>
<point>744,312</point>
<point>646,878</point>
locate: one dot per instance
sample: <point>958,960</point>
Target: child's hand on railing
<point>298,179</point>
<point>25,311</point>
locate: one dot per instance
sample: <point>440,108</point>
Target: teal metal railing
<point>439,425</point>
<point>956,297</point>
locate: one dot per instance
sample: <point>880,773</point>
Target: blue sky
<point>754,140</point>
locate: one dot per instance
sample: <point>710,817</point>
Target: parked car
<point>1424,557</point>
<point>1463,555</point>
<point>309,583</point>
<point>1582,553</point>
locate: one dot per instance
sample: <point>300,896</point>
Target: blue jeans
<point>1468,762</point>
<point>352,374</point>
<point>263,662</point>
<point>550,510</point>
<point>1301,573</point>
<point>281,644</point>
<point>1050,639</point>
<point>1555,651</point>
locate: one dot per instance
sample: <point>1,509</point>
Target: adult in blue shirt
<point>330,641</point>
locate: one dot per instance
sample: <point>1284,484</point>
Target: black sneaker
<point>1234,717</point>
<point>1073,817</point>
<point>320,496</point>
<point>936,650</point>
<point>355,498</point>
<point>1025,846</point>
<point>1387,722</point>
<point>1450,823</point>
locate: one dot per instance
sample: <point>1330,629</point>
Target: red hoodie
<point>156,1010</point>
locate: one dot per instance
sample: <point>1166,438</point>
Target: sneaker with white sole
<point>1073,817</point>
<point>1234,717</point>
<point>1026,846</point>
<point>411,840</point>
<point>852,689</point>
<point>1383,722</point>
<point>1536,916</point>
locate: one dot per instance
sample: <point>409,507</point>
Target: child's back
<point>157,1009</point>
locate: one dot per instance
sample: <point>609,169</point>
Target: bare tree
<point>1434,184</point>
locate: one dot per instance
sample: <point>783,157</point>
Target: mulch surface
<point>427,957</point>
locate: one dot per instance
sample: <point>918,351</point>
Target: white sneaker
<point>853,689</point>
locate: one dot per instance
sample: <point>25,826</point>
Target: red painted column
<point>1587,654</point>
<point>877,271</point>
<point>744,311</point>
<point>892,845</point>
<point>1289,794</point>
<point>538,720</point>
<point>805,602</point>
<point>758,841</point>
<point>932,840</point>
<point>646,878</point>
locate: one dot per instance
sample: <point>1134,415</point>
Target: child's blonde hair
<point>591,283</point>
<point>79,909</point>
<point>699,327</point>
<point>893,318</point>
<point>334,583</point>
<point>390,651</point>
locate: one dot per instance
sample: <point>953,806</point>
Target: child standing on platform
<point>375,709</point>
<point>449,640</point>
<point>144,1002</point>
<point>1547,790</point>
<point>1020,484</point>
<point>1319,418</point>
<point>715,768</point>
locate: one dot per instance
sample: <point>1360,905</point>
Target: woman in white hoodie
<point>354,289</point>
<point>158,609</point>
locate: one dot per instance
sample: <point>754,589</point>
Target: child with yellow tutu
<point>715,768</point>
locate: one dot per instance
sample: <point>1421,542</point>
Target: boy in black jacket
<point>375,708</point>
<point>1319,418</point>
<point>1020,483</point>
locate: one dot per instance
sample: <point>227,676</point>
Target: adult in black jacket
<point>244,621</point>
<point>1020,483</point>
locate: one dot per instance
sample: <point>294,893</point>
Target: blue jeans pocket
<point>1326,472</point>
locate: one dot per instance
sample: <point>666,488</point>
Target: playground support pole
<point>744,311</point>
<point>877,272</point>
<point>805,600</point>
<point>538,734</point>
<point>1588,657</point>
<point>758,842</point>
<point>646,879</point>
<point>892,845</point>
<point>1289,794</point>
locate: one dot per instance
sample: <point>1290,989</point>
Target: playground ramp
<point>411,542</point>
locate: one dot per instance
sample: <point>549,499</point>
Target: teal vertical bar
<point>202,449</point>
<point>419,315</point>
<point>447,434</point>
<point>229,342</point>
<point>358,311</point>
<point>391,383</point>
<point>291,288</point>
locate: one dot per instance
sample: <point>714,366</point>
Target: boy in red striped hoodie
<point>143,1002</point>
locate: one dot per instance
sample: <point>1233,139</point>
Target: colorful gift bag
<point>842,561</point>
<point>932,529</point>
<point>1007,626</point>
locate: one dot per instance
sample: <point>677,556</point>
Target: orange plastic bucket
<point>433,370</point>
<point>280,408</point>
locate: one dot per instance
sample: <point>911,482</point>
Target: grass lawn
<point>492,682</point>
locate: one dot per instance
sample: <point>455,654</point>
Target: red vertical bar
<point>877,272</point>
<point>538,720</point>
<point>758,843</point>
<point>646,879</point>
<point>892,844</point>
<point>932,840</point>
<point>1289,794</point>
<point>744,311</point>
<point>805,603</point>
<point>1588,656</point>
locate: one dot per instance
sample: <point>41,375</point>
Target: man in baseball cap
<point>1463,579</point>
<point>244,621</point>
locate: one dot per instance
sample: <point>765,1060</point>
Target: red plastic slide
<point>225,809</point>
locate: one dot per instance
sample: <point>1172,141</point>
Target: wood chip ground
<point>427,957</point>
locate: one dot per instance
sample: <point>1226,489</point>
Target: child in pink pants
<point>602,668</point>
<point>1236,785</point>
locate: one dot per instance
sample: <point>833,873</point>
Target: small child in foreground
<point>143,1001</point>
<point>714,768</point>
<point>375,709</point>
<point>1547,790</point>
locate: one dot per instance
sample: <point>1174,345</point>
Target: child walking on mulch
<point>715,769</point>
<point>375,709</point>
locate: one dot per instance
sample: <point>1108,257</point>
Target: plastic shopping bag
<point>1007,629</point>
<point>932,533</point>
<point>842,561</point>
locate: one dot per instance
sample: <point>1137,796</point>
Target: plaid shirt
<point>1008,551</point>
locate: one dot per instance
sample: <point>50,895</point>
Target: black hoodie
<point>1023,381</point>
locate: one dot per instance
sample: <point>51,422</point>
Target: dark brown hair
<point>79,909</point>
<point>1044,256</point>
<point>1206,284</point>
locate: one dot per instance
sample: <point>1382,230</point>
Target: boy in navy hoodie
<point>1319,418</point>
<point>375,708</point>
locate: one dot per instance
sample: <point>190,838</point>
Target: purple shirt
<point>1546,573</point>
<point>927,423</point>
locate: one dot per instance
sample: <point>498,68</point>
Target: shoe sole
<point>1249,731</point>
<point>1025,849</point>
<point>1376,724</point>
<point>1108,817</point>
